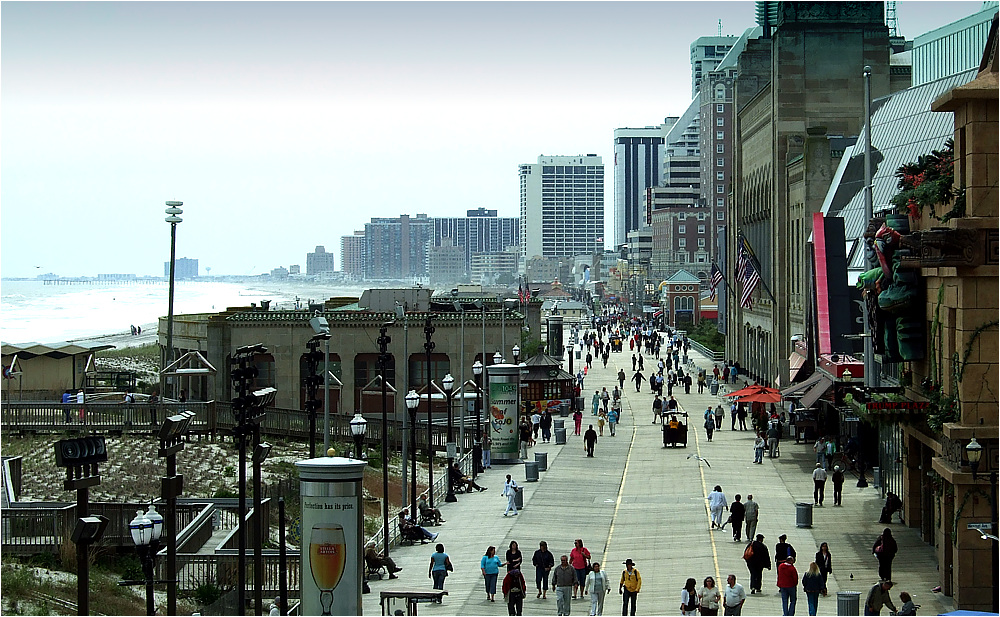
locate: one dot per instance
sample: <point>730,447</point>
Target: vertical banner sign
<point>504,402</point>
<point>332,535</point>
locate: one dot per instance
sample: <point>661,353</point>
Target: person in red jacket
<point>513,590</point>
<point>788,580</point>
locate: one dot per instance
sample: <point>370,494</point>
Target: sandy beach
<point>124,338</point>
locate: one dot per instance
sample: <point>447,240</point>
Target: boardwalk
<point>636,500</point>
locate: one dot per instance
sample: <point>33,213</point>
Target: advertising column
<point>332,535</point>
<point>503,403</point>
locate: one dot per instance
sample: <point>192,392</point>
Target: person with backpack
<point>709,423</point>
<point>513,591</point>
<point>614,415</point>
<point>629,586</point>
<point>885,549</point>
<point>757,557</point>
<point>689,598</point>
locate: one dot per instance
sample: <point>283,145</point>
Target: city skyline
<point>265,117</point>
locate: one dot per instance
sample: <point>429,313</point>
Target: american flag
<point>713,284</point>
<point>747,272</point>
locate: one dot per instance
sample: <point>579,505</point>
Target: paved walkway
<point>636,499</point>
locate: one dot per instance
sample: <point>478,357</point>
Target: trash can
<point>519,499</point>
<point>560,436</point>
<point>803,514</point>
<point>530,471</point>
<point>714,387</point>
<point>876,477</point>
<point>564,409</point>
<point>558,424</point>
<point>578,352</point>
<point>542,460</point>
<point>848,602</point>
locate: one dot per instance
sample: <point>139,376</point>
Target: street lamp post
<point>145,529</point>
<point>383,364</point>
<point>260,451</point>
<point>477,451</point>
<point>173,212</point>
<point>322,329</point>
<point>449,385</point>
<point>171,442</point>
<point>517,354</point>
<point>428,348</point>
<point>358,426</point>
<point>412,402</point>
<point>974,451</point>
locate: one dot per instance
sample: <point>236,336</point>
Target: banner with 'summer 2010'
<point>503,417</point>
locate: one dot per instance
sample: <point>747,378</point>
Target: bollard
<point>530,471</point>
<point>542,460</point>
<point>848,602</point>
<point>560,436</point>
<point>803,514</point>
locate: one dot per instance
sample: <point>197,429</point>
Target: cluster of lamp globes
<point>146,527</point>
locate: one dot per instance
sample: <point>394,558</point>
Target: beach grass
<point>150,352</point>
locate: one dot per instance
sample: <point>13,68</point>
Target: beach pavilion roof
<point>58,350</point>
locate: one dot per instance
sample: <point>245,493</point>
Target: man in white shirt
<point>733,597</point>
<point>716,503</point>
<point>510,489</point>
<point>819,484</point>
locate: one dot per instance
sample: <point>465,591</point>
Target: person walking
<point>757,558</point>
<point>741,412</point>
<point>733,597</point>
<point>687,384</point>
<point>546,426</point>
<point>597,587</point>
<point>577,421</point>
<point>885,550</point>
<point>439,567</point>
<point>589,441</point>
<point>783,550</point>
<point>621,378</point>
<point>772,440</point>
<point>490,567</point>
<point>812,585</point>
<point>543,562</point>
<point>633,362</point>
<point>563,578</point>
<point>878,596</point>
<point>536,424</point>
<point>788,581</point>
<point>657,409</point>
<point>595,402</point>
<point>689,598</point>
<point>579,558</point>
<point>751,510</point>
<point>487,449</point>
<point>513,591</point>
<point>720,415</point>
<point>614,416</point>
<point>819,484</point>
<point>737,512</point>
<point>838,485</point>
<point>709,423</point>
<point>701,382</point>
<point>709,597</point>
<point>602,419</point>
<point>716,503</point>
<point>510,489</point>
<point>513,557</point>
<point>758,450</point>
<point>605,397</point>
<point>629,586</point>
<point>638,379</point>
<point>825,562</point>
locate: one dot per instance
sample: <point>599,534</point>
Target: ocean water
<point>31,311</point>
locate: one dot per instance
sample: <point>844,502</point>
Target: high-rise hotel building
<point>638,166</point>
<point>562,206</point>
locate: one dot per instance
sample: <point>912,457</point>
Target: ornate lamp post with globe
<point>449,384</point>
<point>477,452</point>
<point>412,402</point>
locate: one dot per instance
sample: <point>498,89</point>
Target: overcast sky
<point>282,126</point>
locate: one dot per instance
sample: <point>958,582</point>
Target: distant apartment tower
<point>480,231</point>
<point>319,261</point>
<point>706,54</point>
<point>396,248</point>
<point>638,166</point>
<point>446,263</point>
<point>184,268</point>
<point>682,235</point>
<point>294,269</point>
<point>487,268</point>
<point>562,206</point>
<point>352,254</point>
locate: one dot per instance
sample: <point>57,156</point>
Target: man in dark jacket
<point>736,513</point>
<point>758,560</point>
<point>590,440</point>
<point>783,550</point>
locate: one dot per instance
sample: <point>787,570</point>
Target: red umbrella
<point>762,396</point>
<point>751,390</point>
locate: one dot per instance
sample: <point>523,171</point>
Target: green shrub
<point>207,594</point>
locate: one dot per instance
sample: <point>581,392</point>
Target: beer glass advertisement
<point>330,556</point>
<point>503,416</point>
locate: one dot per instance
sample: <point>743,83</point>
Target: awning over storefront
<point>795,363</point>
<point>810,390</point>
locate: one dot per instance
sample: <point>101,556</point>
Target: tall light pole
<point>173,212</point>
<point>412,402</point>
<point>477,452</point>
<point>449,385</point>
<point>322,329</point>
<point>428,348</point>
<point>869,358</point>
<point>383,365</point>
